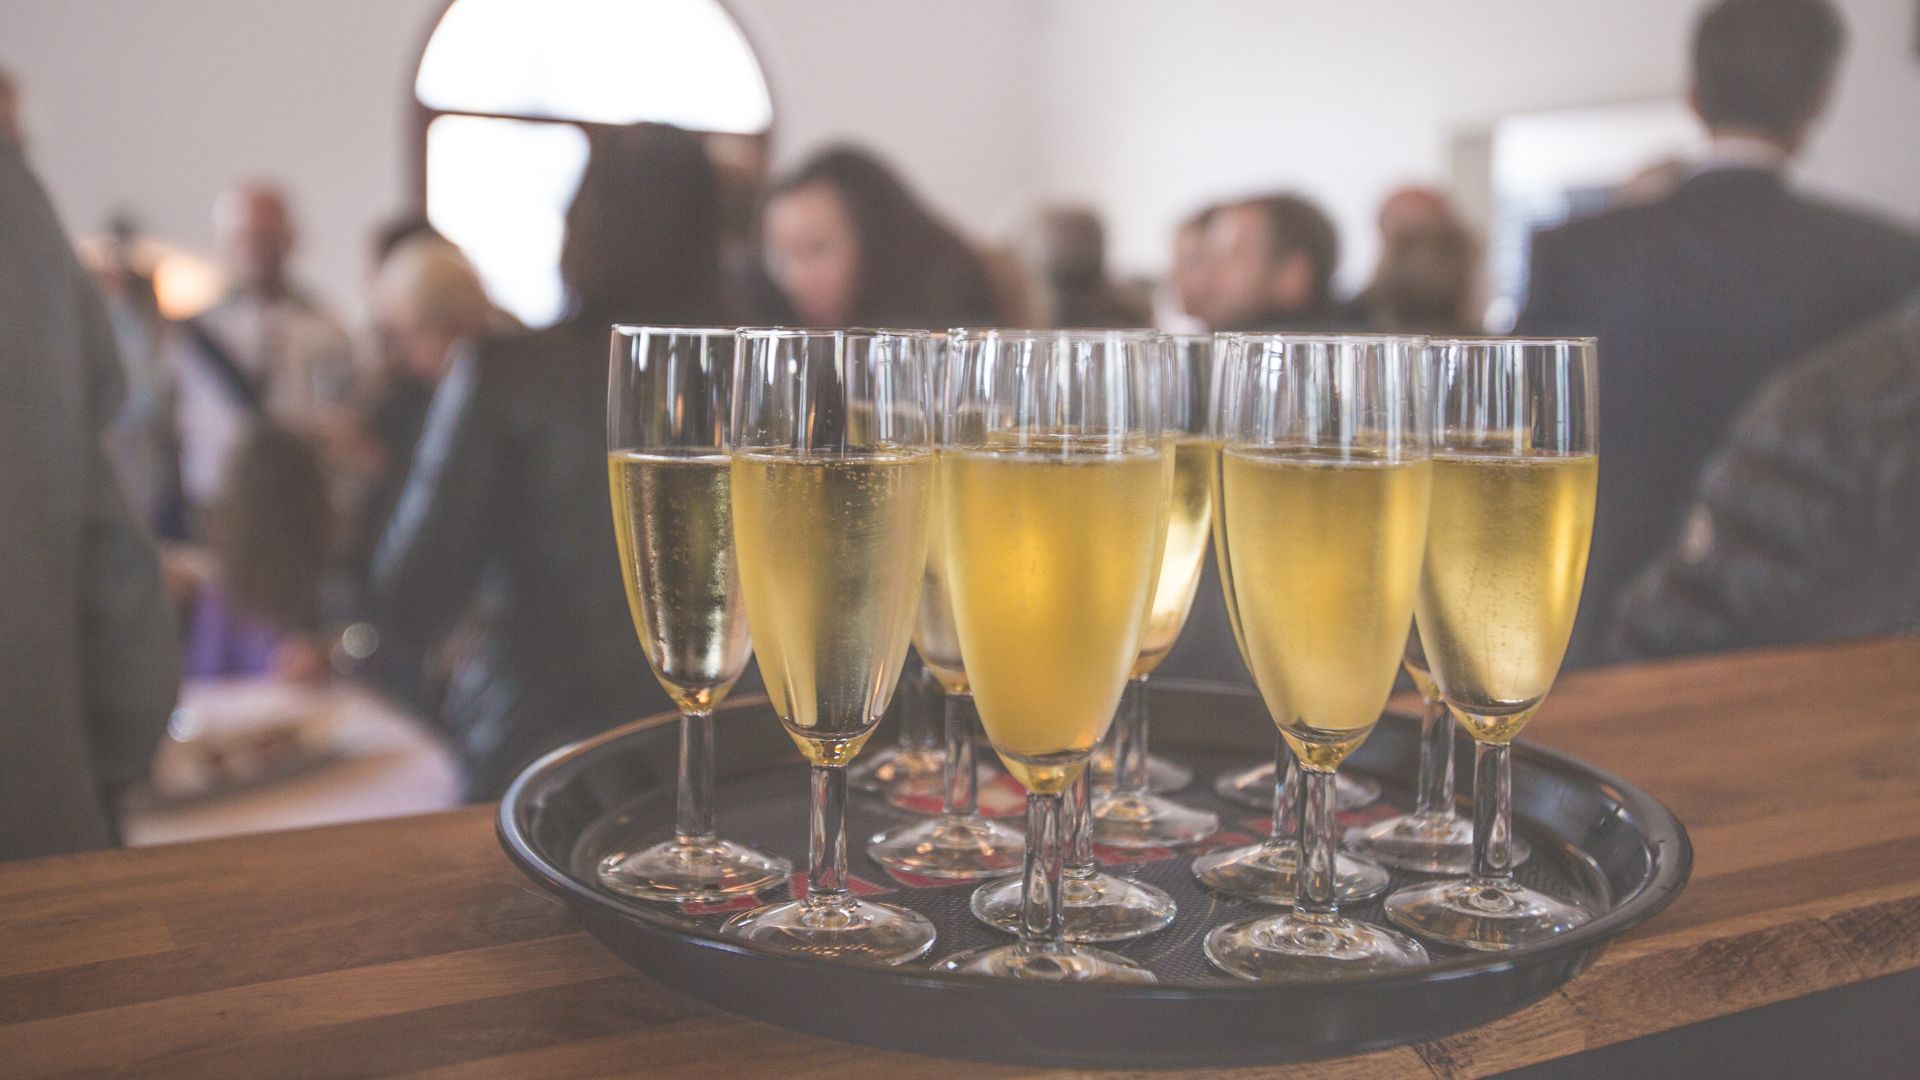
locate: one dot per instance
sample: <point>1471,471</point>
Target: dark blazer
<point>89,662</point>
<point>507,498</point>
<point>1807,526</point>
<point>1696,298</point>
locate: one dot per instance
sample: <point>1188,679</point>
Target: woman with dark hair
<point>845,243</point>
<point>507,496</point>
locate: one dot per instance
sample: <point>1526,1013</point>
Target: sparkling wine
<point>1506,556</point>
<point>1052,553</point>
<point>1190,517</point>
<point>673,517</point>
<point>935,637</point>
<point>1324,557</point>
<point>832,548</point>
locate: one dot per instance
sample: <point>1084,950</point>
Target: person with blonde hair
<point>428,305</point>
<point>426,298</point>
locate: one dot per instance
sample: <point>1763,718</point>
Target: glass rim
<point>1490,340</point>
<point>631,329</point>
<point>1011,333</point>
<point>839,333</point>
<point>1315,337</point>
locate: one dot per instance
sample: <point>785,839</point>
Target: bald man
<point>267,349</point>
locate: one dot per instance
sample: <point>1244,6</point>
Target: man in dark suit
<point>1697,297</point>
<point>1268,264</point>
<point>88,659</point>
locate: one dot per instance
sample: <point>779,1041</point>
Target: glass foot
<point>674,872</point>
<point>957,848</point>
<point>896,770</point>
<point>1163,776</point>
<point>1051,963</point>
<point>1264,872</point>
<point>1488,916</point>
<point>1433,844</point>
<point>1290,947</point>
<point>838,928</point>
<point>1149,821</point>
<point>1093,906</point>
<point>1254,787</point>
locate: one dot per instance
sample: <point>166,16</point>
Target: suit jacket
<point>89,664</point>
<point>1696,298</point>
<point>1807,523</point>
<point>507,496</point>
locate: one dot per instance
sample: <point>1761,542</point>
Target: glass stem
<point>693,817</point>
<point>1286,795</point>
<point>1040,922</point>
<point>1130,739</point>
<point>918,733</point>
<point>962,797</point>
<point>1319,837</point>
<point>1435,783</point>
<point>1493,814</point>
<point>1078,810</point>
<point>827,838</point>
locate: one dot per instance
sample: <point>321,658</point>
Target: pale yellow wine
<point>673,518</point>
<point>1416,664</point>
<point>1188,522</point>
<point>831,552</point>
<point>1506,556</point>
<point>934,636</point>
<point>1222,560</point>
<point>1052,555</point>
<point>1325,555</point>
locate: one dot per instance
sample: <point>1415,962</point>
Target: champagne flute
<point>1053,476</point>
<point>1513,475</point>
<point>1434,838</point>
<point>1131,815</point>
<point>915,764</point>
<point>960,844</point>
<point>667,442</point>
<point>1325,481</point>
<point>1265,871</point>
<point>832,476</point>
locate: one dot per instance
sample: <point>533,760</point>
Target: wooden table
<point>411,947</point>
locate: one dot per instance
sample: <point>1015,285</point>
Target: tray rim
<point>1669,876</point>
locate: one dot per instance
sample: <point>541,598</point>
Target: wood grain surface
<point>412,948</point>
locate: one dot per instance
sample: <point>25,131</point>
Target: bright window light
<point>603,61</point>
<point>500,189</point>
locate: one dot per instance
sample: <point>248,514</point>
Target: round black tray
<point>1594,837</point>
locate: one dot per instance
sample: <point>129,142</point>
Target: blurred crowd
<point>424,505</point>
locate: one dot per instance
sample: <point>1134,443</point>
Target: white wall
<point>1151,109</point>
<point>1144,107</point>
<point>153,106</point>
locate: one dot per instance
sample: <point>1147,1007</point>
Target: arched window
<point>508,90</point>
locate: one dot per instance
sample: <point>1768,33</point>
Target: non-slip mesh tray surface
<point>767,808</point>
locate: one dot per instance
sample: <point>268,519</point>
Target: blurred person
<point>1414,206</point>
<point>1807,524</point>
<point>507,493</point>
<point>1269,265</point>
<point>428,303</point>
<point>1425,282</point>
<point>398,230</point>
<point>846,243</point>
<point>1655,181</point>
<point>1065,250</point>
<point>1699,296</point>
<point>89,660</point>
<point>141,440</point>
<point>1178,298</point>
<point>268,349</point>
<point>271,534</point>
<point>10,126</point>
